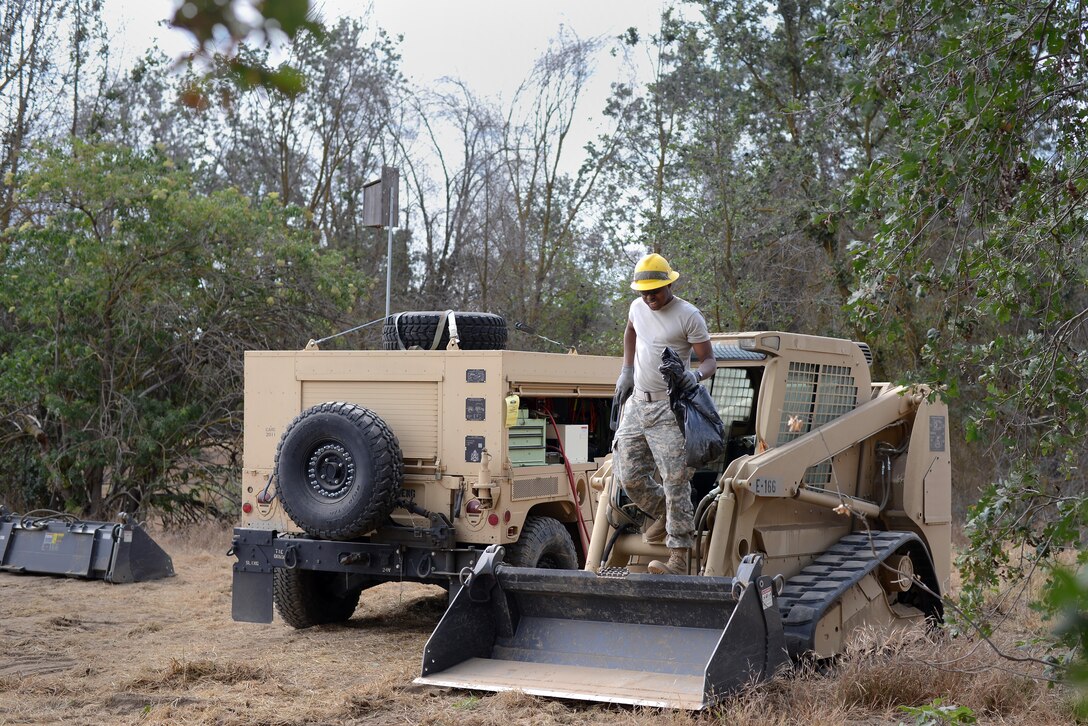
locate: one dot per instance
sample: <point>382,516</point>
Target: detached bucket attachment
<point>650,640</point>
<point>57,544</point>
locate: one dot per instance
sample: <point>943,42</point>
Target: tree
<point>550,261</point>
<point>499,222</point>
<point>129,301</point>
<point>314,150</point>
<point>646,163</point>
<point>979,222</point>
<point>219,30</point>
<point>735,159</point>
<point>457,197</point>
<point>26,44</point>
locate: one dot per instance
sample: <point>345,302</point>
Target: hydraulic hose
<point>583,531</point>
<point>611,542</point>
<point>701,514</point>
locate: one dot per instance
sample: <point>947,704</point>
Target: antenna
<point>529,330</point>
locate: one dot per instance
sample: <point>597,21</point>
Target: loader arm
<point>780,472</point>
<point>751,483</point>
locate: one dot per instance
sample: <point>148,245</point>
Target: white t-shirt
<point>678,325</point>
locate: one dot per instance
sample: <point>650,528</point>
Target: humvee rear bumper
<point>405,554</point>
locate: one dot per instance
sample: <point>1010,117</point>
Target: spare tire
<point>475,331</point>
<point>338,470</point>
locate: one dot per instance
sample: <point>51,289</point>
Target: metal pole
<point>389,255</point>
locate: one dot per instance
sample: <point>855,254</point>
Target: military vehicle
<point>368,466</point>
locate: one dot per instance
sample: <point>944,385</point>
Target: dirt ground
<point>167,652</point>
<point>89,652</point>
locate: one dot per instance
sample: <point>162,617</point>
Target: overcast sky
<point>490,44</point>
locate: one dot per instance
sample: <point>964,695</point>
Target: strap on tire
<point>396,328</point>
<point>439,328</point>
<point>455,339</point>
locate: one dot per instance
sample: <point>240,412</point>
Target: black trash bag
<point>704,432</point>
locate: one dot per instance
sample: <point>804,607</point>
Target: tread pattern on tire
<point>386,471</point>
<point>304,598</point>
<point>540,537</point>
<point>476,331</point>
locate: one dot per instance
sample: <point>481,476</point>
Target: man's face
<point>657,298</point>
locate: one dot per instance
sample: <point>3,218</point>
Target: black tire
<point>305,598</point>
<point>544,542</point>
<point>476,331</point>
<point>338,470</point>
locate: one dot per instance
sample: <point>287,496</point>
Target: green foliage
<point>1067,594</point>
<point>974,258</point>
<point>128,302</point>
<point>734,160</point>
<point>218,29</point>
<point>1066,599</point>
<point>938,714</point>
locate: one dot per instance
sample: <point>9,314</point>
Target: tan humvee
<point>449,411</point>
<point>495,447</point>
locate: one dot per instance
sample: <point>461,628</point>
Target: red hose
<point>583,531</point>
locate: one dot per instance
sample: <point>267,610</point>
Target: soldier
<point>648,433</point>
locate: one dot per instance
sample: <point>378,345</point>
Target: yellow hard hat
<point>652,272</point>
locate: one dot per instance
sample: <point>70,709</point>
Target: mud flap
<point>251,590</point>
<point>651,640</point>
<point>58,545</point>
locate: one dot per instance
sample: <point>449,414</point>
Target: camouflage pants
<point>648,436</point>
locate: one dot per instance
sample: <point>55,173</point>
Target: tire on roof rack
<point>430,330</point>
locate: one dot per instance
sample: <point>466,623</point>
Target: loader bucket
<point>56,544</point>
<point>650,640</point>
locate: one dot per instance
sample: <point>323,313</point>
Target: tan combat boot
<point>655,533</point>
<point>677,564</point>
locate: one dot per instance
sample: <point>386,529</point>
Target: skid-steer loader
<point>829,511</point>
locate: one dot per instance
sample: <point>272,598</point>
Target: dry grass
<point>206,539</point>
<point>880,673</point>
<point>192,673</point>
<point>913,669</point>
<point>168,652</point>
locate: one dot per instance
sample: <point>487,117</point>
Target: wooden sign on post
<point>381,199</point>
<point>380,209</point>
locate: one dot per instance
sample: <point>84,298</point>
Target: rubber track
<point>808,594</point>
<point>386,464</point>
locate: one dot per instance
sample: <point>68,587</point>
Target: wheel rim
<point>330,470</point>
